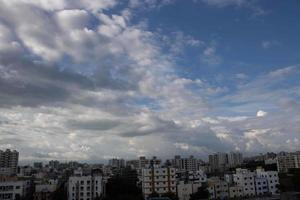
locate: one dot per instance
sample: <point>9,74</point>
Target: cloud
<point>80,81</point>
<point>269,44</point>
<point>210,56</point>
<point>261,113</point>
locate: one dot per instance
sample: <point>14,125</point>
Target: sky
<point>90,80</point>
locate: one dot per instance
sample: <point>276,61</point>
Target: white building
<point>236,192</point>
<point>245,179</point>
<point>270,177</point>
<point>184,190</point>
<point>85,187</point>
<point>11,188</point>
<point>158,180</point>
<point>44,190</point>
<point>197,176</point>
<point>217,188</point>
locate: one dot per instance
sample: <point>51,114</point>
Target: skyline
<point>96,79</point>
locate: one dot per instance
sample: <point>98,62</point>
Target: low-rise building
<point>185,189</point>
<point>13,188</point>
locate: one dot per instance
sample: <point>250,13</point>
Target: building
<point>87,187</point>
<point>12,188</point>
<point>54,164</point>
<point>44,191</point>
<point>143,162</point>
<point>8,162</point>
<point>271,178</point>
<point>185,164</point>
<point>288,161</point>
<point>185,189</point>
<point>218,162</point>
<point>217,188</point>
<point>235,192</point>
<point>116,163</point>
<point>235,159</point>
<point>246,179</point>
<point>158,180</point>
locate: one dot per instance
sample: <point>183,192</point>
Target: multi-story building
<point>44,190</point>
<point>116,163</point>
<point>235,192</point>
<point>270,177</point>
<point>185,164</point>
<point>54,164</point>
<point>143,162</point>
<point>185,189</point>
<point>217,188</point>
<point>218,162</point>
<point>9,161</point>
<point>235,159</point>
<point>11,188</point>
<point>288,161</point>
<point>158,180</point>
<point>245,179</point>
<point>87,187</point>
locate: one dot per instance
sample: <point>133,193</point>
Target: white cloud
<point>261,113</point>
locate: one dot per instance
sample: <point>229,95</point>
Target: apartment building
<point>270,177</point>
<point>12,188</point>
<point>245,179</point>
<point>217,188</point>
<point>85,187</point>
<point>116,163</point>
<point>288,161</point>
<point>158,180</point>
<point>185,189</point>
<point>185,164</point>
<point>8,162</point>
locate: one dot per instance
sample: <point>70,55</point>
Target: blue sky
<point>95,79</point>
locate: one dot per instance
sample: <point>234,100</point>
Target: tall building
<point>9,161</point>
<point>185,164</point>
<point>218,162</point>
<point>235,159</point>
<point>116,163</point>
<point>288,161</point>
<point>158,180</point>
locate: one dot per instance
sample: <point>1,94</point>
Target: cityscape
<point>149,100</point>
<point>225,176</point>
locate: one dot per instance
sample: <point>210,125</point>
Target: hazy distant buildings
<point>235,159</point>
<point>116,163</point>
<point>222,161</point>
<point>288,161</point>
<point>143,162</point>
<point>8,162</point>
<point>185,164</point>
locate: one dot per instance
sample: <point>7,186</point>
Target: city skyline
<point>96,79</point>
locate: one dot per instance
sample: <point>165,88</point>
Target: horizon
<point>96,79</point>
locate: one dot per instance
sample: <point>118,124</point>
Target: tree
<point>171,195</point>
<point>202,193</point>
